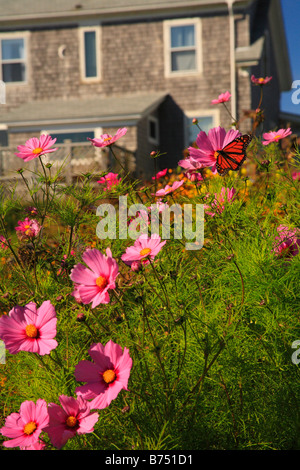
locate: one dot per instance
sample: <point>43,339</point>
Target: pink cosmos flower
<point>287,242</point>
<point>223,98</point>
<point>169,189</point>
<point>28,228</point>
<point>32,211</point>
<point>107,139</point>
<point>218,204</point>
<point>274,136</point>
<point>159,206</point>
<point>216,139</point>
<point>106,376</point>
<point>143,247</point>
<point>3,242</point>
<point>160,174</point>
<point>260,80</point>
<point>76,295</point>
<point>109,180</point>
<point>25,426</point>
<point>92,283</point>
<point>295,176</point>
<point>71,418</point>
<point>29,328</point>
<point>192,168</point>
<point>39,445</point>
<point>35,147</point>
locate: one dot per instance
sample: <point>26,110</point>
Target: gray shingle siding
<point>132,62</point>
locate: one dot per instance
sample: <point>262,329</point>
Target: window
<point>3,136</point>
<point>206,121</point>
<point>153,135</point>
<point>182,46</point>
<point>74,136</point>
<point>13,58</point>
<point>90,53</point>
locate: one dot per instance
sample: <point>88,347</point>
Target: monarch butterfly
<point>233,155</point>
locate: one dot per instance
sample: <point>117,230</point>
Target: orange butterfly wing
<point>233,155</point>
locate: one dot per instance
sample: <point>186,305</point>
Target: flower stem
<point>117,160</point>
<point>47,192</point>
<point>233,119</point>
<point>9,244</point>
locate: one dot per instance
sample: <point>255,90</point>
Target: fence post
<point>69,169</point>
<point>2,92</point>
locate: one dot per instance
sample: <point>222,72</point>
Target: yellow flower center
<point>31,331</point>
<point>109,376</point>
<point>27,230</point>
<point>37,150</point>
<point>145,251</point>
<point>101,282</point>
<point>29,428</point>
<point>261,79</point>
<point>107,139</point>
<point>71,421</point>
<point>168,190</point>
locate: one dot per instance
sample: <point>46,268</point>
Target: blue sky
<point>291,17</point>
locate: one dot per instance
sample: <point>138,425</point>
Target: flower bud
<point>135,266</point>
<point>80,317</point>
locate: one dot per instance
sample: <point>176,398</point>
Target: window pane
<point>13,72</point>
<point>183,60</point>
<point>73,136</point>
<point>152,129</point>
<point>205,123</point>
<point>90,54</point>
<point>12,49</point>
<point>182,36</point>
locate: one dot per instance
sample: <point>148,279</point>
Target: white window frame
<point>168,24</point>
<point>154,120</point>
<point>82,30</point>
<point>214,113</point>
<point>16,35</point>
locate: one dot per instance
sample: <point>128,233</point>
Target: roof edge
<point>121,12</point>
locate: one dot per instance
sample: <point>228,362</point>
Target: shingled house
<point>79,68</point>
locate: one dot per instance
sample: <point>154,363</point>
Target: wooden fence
<point>73,158</point>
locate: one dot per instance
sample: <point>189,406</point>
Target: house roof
<point>101,110</point>
<point>38,9</point>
